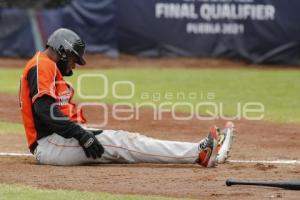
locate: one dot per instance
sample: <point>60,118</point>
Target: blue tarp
<point>15,33</point>
<point>22,32</point>
<point>259,31</point>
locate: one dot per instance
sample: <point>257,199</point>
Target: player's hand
<point>91,146</point>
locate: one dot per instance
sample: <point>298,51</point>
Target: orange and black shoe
<point>225,140</point>
<point>208,150</point>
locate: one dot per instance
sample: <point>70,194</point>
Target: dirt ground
<point>255,140</point>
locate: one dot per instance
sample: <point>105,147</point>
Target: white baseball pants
<point>120,147</point>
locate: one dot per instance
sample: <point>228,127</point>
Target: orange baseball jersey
<point>49,82</point>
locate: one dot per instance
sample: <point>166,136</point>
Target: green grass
<point>277,90</point>
<point>9,80</point>
<point>18,192</point>
<point>11,128</point>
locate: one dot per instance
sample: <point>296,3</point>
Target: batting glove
<point>91,146</point>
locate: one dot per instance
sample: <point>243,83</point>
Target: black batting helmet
<point>64,42</point>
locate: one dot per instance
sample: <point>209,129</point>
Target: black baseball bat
<point>289,185</point>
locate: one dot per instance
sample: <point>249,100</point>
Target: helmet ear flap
<point>62,54</point>
<point>62,62</point>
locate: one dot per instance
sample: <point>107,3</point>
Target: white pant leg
<point>128,147</point>
<point>120,147</point>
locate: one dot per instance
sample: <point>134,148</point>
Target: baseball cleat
<point>208,149</point>
<point>225,141</point>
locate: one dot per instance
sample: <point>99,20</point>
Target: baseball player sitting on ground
<point>53,123</point>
